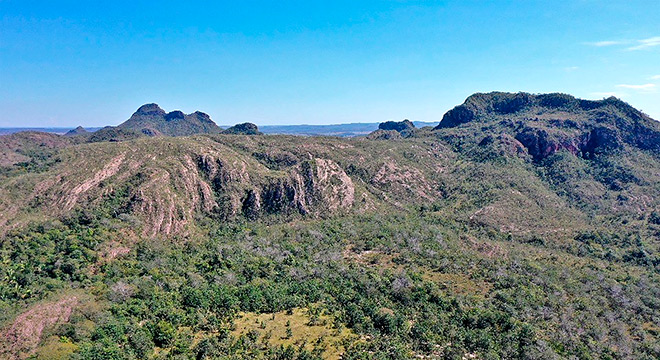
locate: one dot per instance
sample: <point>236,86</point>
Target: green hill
<point>151,120</point>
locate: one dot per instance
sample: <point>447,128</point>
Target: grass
<point>306,330</point>
<point>55,348</point>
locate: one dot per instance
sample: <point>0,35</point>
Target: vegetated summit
<point>522,226</point>
<point>150,119</point>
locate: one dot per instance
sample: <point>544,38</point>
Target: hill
<point>523,226</point>
<point>151,120</point>
<point>77,131</point>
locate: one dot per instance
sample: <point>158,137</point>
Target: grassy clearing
<point>310,328</point>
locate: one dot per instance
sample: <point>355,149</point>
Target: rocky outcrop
<point>149,110</point>
<point>243,129</point>
<point>547,123</point>
<point>400,126</point>
<point>541,143</point>
<point>483,104</point>
<point>393,130</point>
<point>317,186</point>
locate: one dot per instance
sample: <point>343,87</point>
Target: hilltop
<point>547,123</point>
<point>477,236</point>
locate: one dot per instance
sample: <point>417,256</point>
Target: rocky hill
<point>243,129</point>
<point>548,123</point>
<point>77,131</point>
<point>151,120</point>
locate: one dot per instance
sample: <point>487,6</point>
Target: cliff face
<point>548,123</point>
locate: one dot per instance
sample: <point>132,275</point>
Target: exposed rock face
<point>77,131</point>
<point>391,130</point>
<point>400,126</point>
<point>243,129</point>
<point>316,186</point>
<point>548,123</point>
<point>541,144</point>
<point>151,120</point>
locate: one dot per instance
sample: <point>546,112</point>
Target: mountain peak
<point>484,105</point>
<point>150,109</point>
<point>77,131</point>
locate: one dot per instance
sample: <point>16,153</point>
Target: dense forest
<point>522,227</point>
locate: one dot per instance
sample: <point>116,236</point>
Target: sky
<point>93,63</point>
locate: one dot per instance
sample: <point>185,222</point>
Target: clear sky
<point>65,63</point>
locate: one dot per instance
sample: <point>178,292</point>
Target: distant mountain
<point>341,130</point>
<point>243,129</point>
<point>53,130</point>
<point>151,120</point>
<point>77,131</point>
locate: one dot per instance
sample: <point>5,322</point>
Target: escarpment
<point>548,123</point>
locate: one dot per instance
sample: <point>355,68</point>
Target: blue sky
<point>65,63</point>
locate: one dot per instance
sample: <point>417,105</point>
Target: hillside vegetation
<point>521,227</point>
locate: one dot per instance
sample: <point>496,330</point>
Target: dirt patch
<point>23,335</point>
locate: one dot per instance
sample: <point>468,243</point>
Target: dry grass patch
<point>459,283</point>
<point>310,328</point>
